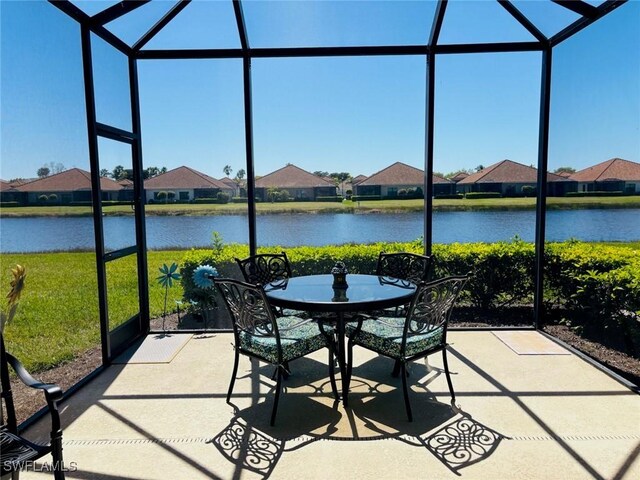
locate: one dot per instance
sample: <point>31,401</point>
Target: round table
<point>315,293</point>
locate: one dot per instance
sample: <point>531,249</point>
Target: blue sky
<point>336,114</point>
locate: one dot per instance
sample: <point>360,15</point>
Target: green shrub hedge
<point>450,196</point>
<point>239,200</point>
<point>480,195</point>
<point>596,286</point>
<point>221,198</point>
<point>596,193</point>
<point>364,198</point>
<point>329,198</point>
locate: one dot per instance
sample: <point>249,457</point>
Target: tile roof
<point>183,177</point>
<point>507,171</point>
<point>358,179</point>
<point>400,174</point>
<point>70,180</point>
<point>613,169</point>
<point>7,187</point>
<point>126,183</point>
<point>229,182</point>
<point>21,181</point>
<point>291,176</point>
<point>459,176</point>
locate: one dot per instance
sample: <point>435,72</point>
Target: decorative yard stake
<point>166,280</point>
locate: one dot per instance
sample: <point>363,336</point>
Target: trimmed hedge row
<point>595,193</point>
<point>363,198</point>
<point>329,198</point>
<point>594,287</point>
<point>502,273</point>
<point>480,195</point>
<point>450,196</point>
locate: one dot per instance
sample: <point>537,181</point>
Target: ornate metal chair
<point>405,266</point>
<point>265,268</point>
<point>422,332</point>
<point>276,340</point>
<point>15,450</point>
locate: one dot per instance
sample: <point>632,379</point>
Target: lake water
<point>67,233</point>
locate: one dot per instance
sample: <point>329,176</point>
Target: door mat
<point>155,348</point>
<point>530,343</point>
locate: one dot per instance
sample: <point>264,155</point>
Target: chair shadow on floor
<point>310,413</point>
<point>449,433</point>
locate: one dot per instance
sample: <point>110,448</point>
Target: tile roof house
<point>230,183</point>
<point>8,192</point>
<point>185,183</point>
<point>73,185</point>
<point>459,176</point>
<point>358,179</point>
<point>508,178</point>
<point>391,181</point>
<point>127,193</point>
<point>615,174</point>
<point>299,184</point>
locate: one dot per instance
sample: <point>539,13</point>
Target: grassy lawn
<point>58,317</point>
<point>566,203</point>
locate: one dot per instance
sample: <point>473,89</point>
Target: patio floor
<point>522,416</point>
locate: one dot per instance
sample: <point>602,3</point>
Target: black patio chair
<point>265,268</point>
<point>404,266</point>
<point>422,332</point>
<point>15,450</point>
<point>276,340</point>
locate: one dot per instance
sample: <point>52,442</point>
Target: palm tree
<point>227,170</point>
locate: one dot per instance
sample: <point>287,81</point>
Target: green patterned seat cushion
<point>387,339</point>
<point>296,343</point>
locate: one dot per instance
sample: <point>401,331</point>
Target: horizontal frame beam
<point>338,51</point>
<point>114,133</point>
<point>123,252</point>
<point>511,47</point>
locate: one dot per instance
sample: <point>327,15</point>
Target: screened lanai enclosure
<point>214,66</point>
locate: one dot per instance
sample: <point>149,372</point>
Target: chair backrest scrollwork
<point>432,306</point>
<point>405,266</point>
<point>265,268</point>
<point>249,308</point>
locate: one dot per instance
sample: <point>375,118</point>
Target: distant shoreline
<point>365,207</point>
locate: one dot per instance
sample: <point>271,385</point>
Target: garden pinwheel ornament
<point>169,274</point>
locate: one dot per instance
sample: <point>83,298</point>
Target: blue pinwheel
<point>203,276</point>
<point>169,274</point>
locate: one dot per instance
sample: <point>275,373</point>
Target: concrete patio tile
<point>521,417</point>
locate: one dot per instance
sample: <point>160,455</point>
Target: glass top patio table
<point>315,293</point>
